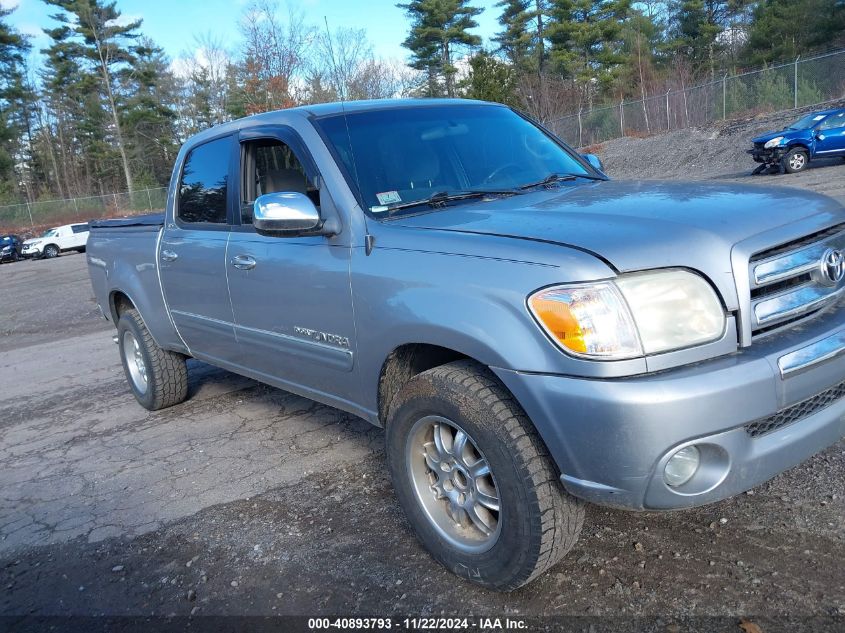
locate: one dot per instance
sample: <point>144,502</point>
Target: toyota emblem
<point>833,266</point>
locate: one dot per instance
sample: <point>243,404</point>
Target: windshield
<point>49,233</point>
<point>403,155</point>
<point>5,240</point>
<point>806,122</point>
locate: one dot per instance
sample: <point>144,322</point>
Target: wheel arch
<point>406,361</point>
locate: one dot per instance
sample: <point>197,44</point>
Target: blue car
<point>817,135</point>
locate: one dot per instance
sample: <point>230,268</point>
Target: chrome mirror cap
<point>285,212</point>
<point>595,161</point>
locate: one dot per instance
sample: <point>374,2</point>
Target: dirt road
<point>247,500</point>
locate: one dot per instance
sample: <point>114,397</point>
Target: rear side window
<point>204,184</point>
<point>79,228</point>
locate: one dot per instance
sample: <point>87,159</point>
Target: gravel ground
<point>248,501</point>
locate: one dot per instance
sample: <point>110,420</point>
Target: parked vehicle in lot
<point>816,135</point>
<point>70,237</point>
<point>10,248</point>
<point>529,333</point>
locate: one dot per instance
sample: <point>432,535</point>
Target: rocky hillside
<point>716,152</point>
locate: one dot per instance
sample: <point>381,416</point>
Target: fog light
<point>682,466</point>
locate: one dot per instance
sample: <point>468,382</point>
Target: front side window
<point>408,154</point>
<point>833,121</point>
<point>203,189</point>
<point>271,166</point>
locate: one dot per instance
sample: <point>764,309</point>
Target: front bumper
<point>33,252</point>
<point>767,156</point>
<point>611,439</point>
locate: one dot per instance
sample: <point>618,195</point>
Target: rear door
<point>830,135</point>
<point>192,253</point>
<point>293,302</point>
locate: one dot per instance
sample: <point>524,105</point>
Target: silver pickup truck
<point>529,333</point>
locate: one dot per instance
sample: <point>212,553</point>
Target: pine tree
<point>784,29</point>
<point>14,106</point>
<point>106,44</point>
<point>148,113</point>
<point>438,28</point>
<point>586,37</point>
<point>515,39</point>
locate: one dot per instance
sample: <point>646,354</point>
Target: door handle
<point>168,256</point>
<point>243,262</point>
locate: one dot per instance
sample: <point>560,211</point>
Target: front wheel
<point>795,160</point>
<point>158,378</point>
<point>475,479</point>
<point>51,251</point>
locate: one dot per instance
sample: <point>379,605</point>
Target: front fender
<point>474,304</point>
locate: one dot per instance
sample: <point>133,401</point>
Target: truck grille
<point>796,412</point>
<point>792,282</point>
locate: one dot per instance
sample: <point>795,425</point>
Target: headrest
<point>277,180</point>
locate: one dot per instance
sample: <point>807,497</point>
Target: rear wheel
<point>475,479</point>
<point>51,251</point>
<point>158,378</point>
<point>795,160</point>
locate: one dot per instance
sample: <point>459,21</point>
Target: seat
<point>278,180</point>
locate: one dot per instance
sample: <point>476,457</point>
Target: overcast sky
<point>172,24</point>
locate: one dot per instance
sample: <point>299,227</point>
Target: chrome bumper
<point>808,357</point>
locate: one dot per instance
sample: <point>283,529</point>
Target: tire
<point>50,251</point>
<point>795,160</point>
<point>539,521</point>
<point>160,380</point>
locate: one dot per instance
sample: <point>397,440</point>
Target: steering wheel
<point>492,175</point>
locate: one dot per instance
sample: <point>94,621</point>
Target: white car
<point>70,237</point>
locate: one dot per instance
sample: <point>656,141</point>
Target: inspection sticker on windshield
<point>388,197</point>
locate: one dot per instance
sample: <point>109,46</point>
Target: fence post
<point>796,80</point>
<point>116,207</point>
<point>76,209</point>
<point>149,200</point>
<point>29,210</point>
<point>667,109</point>
<point>622,116</point>
<point>725,97</point>
<point>580,130</point>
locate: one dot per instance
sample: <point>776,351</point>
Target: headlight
<point>6,249</point>
<point>774,142</point>
<point>635,315</point>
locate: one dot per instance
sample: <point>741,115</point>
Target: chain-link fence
<point>803,82</point>
<point>31,215</point>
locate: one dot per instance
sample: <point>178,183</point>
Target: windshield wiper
<point>441,198</point>
<point>553,178</point>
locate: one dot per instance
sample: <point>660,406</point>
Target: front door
<point>291,296</point>
<point>830,136</point>
<point>192,253</point>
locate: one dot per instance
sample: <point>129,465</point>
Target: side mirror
<point>285,213</point>
<point>594,161</point>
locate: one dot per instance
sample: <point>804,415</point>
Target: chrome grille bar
<point>790,282</point>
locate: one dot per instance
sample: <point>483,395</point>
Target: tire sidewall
<point>789,155</point>
<point>128,323</point>
<point>520,523</point>
<point>50,251</point>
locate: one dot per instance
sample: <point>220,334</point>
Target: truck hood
<point>639,225</point>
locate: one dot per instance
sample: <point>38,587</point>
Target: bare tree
<point>275,54</point>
